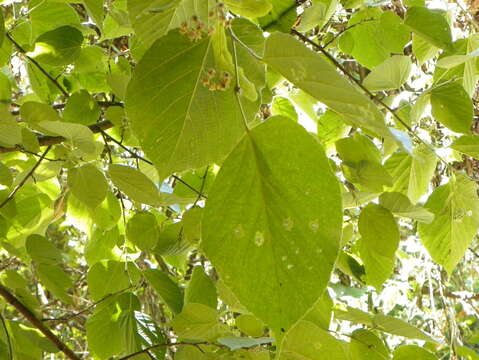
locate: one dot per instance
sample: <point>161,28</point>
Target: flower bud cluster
<point>216,81</point>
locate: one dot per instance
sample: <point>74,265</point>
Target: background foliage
<point>253,179</point>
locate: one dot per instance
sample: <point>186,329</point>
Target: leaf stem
<point>237,88</point>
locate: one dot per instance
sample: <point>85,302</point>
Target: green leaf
<point>100,246</point>
<point>95,9</point>
<point>373,35</point>
<point>42,251</point>
<point>172,240</point>
<point>78,135</point>
<point>467,144</point>
<point>400,205</point>
<point>139,331</point>
<point>452,107</point>
<point>5,88</point>
<point>423,50</point>
<point>362,163</point>
<point>431,25</point>
<point>166,288</point>
<point>48,16</point>
<point>198,322</point>
<point>276,229</point>
<point>412,352</point>
<point>235,343</point>
<point>331,127</point>
<point>201,289</point>
<point>281,17</point>
<point>34,112</point>
<point>2,29</point>
<point>10,132</point>
<point>310,72</point>
<point>142,230</point>
<point>320,313</point>
<point>455,206</point>
<point>365,345</point>
<point>81,108</point>
<point>251,36</point>
<point>282,106</point>
<point>134,184</point>
<point>250,325</point>
<point>153,19</point>
<point>412,174</point>
<point>88,184</point>
<point>104,324</point>
<point>107,214</point>
<point>173,122</point>
<point>399,327</point>
<point>55,280</point>
<point>108,277</point>
<point>317,15</point>
<point>28,342</point>
<point>452,61</point>
<point>6,177</point>
<point>389,75</point>
<point>378,245</point>
<point>58,47</point>
<point>467,353</point>
<point>249,8</point>
<point>307,341</point>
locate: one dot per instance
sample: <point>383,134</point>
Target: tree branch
<point>60,345</point>
<point>62,105</point>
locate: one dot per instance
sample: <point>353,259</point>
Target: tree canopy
<point>239,180</point>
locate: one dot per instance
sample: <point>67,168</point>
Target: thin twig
<point>203,182</point>
<point>139,157</point>
<point>367,91</point>
<point>7,334</point>
<point>237,89</point>
<point>39,67</point>
<point>88,308</point>
<point>24,180</point>
<point>246,47</point>
<point>60,345</point>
